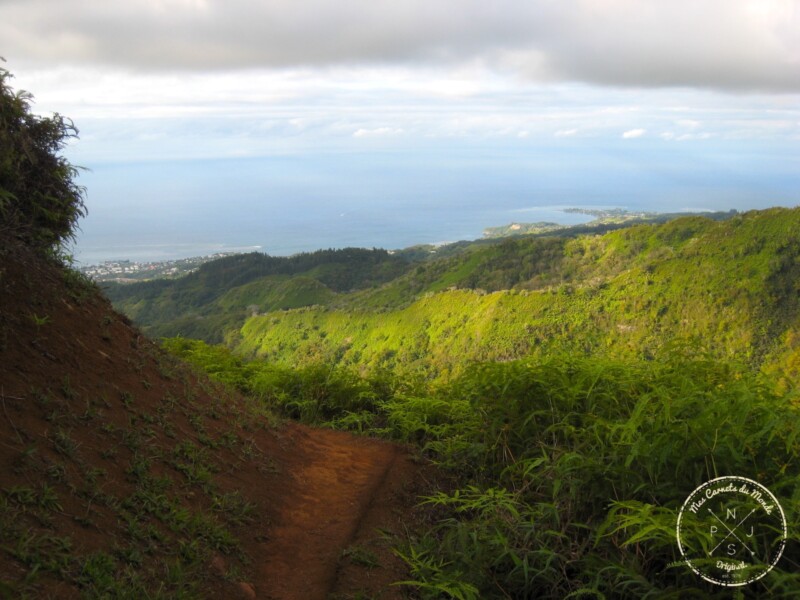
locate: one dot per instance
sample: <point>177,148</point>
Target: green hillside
<point>221,294</point>
<point>726,288</point>
<point>729,289</point>
<point>567,473</point>
<point>193,305</point>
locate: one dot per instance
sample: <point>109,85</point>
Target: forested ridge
<point>728,288</point>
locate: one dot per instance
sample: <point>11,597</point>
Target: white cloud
<point>377,132</point>
<point>723,44</point>
<point>566,132</point>
<point>290,111</point>
<point>633,133</point>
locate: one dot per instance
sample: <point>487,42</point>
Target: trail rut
<point>338,489</point>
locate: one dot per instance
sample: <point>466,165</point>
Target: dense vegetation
<point>221,294</point>
<point>577,389</point>
<point>40,203</point>
<point>219,298</point>
<point>570,471</point>
<point>729,288</point>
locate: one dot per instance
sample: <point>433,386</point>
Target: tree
<point>40,203</point>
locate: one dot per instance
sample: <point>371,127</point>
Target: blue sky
<point>208,107</point>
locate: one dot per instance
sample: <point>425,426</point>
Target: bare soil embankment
<point>118,460</point>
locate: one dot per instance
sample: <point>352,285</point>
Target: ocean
<point>283,205</point>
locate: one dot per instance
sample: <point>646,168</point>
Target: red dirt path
<point>337,484</point>
<point>323,499</point>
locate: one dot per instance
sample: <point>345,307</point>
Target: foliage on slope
<point>356,279</point>
<point>570,471</point>
<point>222,293</point>
<point>40,203</point>
<point>728,287</point>
<point>578,468</point>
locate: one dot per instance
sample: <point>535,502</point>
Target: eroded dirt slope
<point>122,471</point>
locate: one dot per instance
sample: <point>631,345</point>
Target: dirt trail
<point>83,392</point>
<point>339,489</point>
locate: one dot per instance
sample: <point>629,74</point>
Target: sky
<point>239,123</point>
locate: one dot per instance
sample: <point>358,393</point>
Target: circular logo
<point>731,531</point>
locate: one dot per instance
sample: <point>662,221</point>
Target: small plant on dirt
<point>207,529</point>
<point>165,369</point>
<point>98,573</point>
<point>196,422</point>
<point>39,321</point>
<point>42,397</point>
<point>67,390</point>
<point>91,411</point>
<point>361,556</point>
<point>57,472</point>
<point>21,495</point>
<point>193,461</point>
<point>139,467</point>
<point>233,507</point>
<point>43,552</point>
<point>55,415</point>
<point>127,399</point>
<point>79,286</point>
<point>47,499</point>
<point>168,403</point>
<point>129,555</point>
<point>64,444</point>
<point>228,440</point>
<point>91,475</point>
<point>108,453</point>
<point>250,449</point>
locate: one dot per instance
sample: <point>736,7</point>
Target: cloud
<point>633,133</point>
<point>377,132</point>
<point>670,136</point>
<point>566,132</point>
<point>721,44</point>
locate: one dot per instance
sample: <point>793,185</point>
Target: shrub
<point>40,203</point>
<point>585,466</point>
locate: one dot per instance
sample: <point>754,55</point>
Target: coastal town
<point>129,271</point>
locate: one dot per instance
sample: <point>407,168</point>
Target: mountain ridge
<point>728,287</point>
